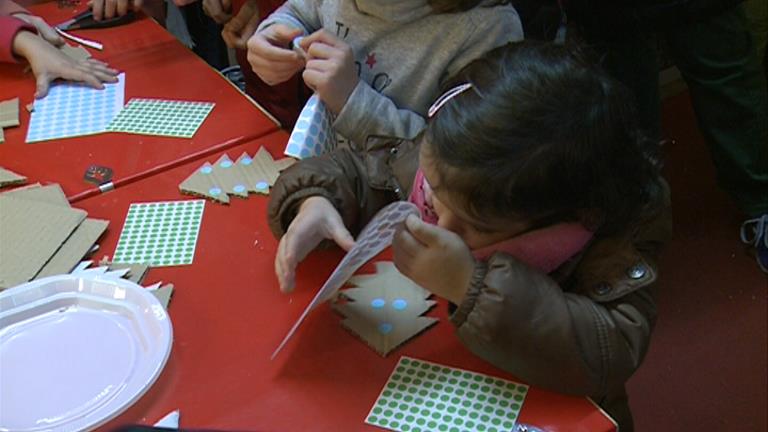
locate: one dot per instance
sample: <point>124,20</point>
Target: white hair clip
<point>445,97</point>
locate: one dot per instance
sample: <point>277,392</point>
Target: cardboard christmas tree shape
<point>224,177</point>
<point>385,310</point>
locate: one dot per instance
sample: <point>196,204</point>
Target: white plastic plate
<point>76,351</point>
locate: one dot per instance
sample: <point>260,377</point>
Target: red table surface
<point>228,317</point>
<point>156,66</point>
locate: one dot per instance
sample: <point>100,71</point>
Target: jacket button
<point>636,272</point>
<point>603,288</point>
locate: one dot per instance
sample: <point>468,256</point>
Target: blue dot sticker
<point>385,328</point>
<point>214,191</point>
<point>206,169</point>
<point>225,164</point>
<point>262,185</point>
<point>399,304</point>
<point>246,161</point>
<point>238,188</point>
<point>378,303</point>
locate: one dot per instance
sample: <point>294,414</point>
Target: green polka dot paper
<point>421,396</point>
<point>161,117</point>
<point>160,233</point>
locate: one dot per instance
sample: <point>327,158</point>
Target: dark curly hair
<point>544,134</point>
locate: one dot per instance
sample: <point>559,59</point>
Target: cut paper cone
<point>224,177</point>
<point>8,178</point>
<point>313,133</point>
<point>385,309</point>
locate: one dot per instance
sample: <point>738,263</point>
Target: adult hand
<point>434,258</point>
<point>111,8</point>
<point>43,29</point>
<point>316,221</point>
<point>219,10</point>
<point>48,64</point>
<point>330,69</point>
<point>242,26</point>
<point>269,55</point>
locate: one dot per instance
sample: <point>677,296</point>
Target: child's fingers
<point>423,232</point>
<point>283,270</point>
<point>320,36</point>
<point>43,82</point>
<point>260,46</point>
<point>322,50</point>
<point>405,244</point>
<point>341,235</point>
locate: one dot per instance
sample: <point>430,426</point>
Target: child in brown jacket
<point>542,216</point>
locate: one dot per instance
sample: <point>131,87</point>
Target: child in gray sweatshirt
<point>377,65</point>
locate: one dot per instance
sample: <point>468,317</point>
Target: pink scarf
<point>545,249</point>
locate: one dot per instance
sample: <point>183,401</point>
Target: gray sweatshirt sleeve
<point>368,112</point>
<point>301,14</point>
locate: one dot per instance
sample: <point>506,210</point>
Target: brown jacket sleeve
<point>586,336</point>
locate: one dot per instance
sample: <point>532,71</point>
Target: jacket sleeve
<point>340,177</point>
<point>302,14</point>
<point>585,341</point>
<point>368,112</point>
<point>9,28</point>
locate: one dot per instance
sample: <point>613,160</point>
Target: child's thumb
<point>341,236</point>
<point>422,231</point>
<point>42,86</point>
<point>287,33</point>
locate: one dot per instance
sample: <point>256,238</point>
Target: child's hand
<point>240,28</point>
<point>434,258</point>
<point>269,55</point>
<point>111,8</point>
<point>330,69</point>
<point>43,29</point>
<point>219,10</point>
<point>316,221</point>
<point>48,64</point>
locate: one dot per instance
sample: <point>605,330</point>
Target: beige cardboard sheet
<point>8,178</point>
<point>75,248</point>
<point>30,234</point>
<point>9,113</point>
<point>51,194</point>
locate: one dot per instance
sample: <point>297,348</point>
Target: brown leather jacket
<point>583,329</point>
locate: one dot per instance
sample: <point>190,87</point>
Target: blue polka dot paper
<point>160,233</point>
<point>421,396</point>
<point>313,134</point>
<point>71,110</point>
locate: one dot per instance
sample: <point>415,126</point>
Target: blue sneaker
<point>754,232</point>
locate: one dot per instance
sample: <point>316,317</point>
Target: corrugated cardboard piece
<point>9,113</point>
<point>31,232</point>
<point>248,174</point>
<point>385,310</point>
<point>75,248</point>
<point>58,259</point>
<point>8,178</point>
